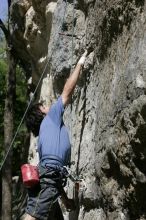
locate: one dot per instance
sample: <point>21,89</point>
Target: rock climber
<point>54,152</point>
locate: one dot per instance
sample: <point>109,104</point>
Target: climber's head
<point>34,117</point>
<point>44,109</point>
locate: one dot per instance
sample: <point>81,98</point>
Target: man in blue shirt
<point>54,153</point>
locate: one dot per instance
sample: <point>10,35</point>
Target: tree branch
<point>5,30</point>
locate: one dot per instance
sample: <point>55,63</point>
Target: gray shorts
<point>43,198</point>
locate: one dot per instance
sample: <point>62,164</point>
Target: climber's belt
<point>51,160</point>
<point>52,174</point>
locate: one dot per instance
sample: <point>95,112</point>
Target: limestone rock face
<point>107,116</point>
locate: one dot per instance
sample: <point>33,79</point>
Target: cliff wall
<point>107,116</point>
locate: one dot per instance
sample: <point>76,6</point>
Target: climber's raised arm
<point>72,80</point>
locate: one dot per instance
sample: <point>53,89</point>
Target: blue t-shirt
<point>53,135</point>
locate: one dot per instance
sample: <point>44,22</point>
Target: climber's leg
<point>56,213</point>
<point>41,200</point>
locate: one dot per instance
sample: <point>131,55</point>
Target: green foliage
<point>19,109</point>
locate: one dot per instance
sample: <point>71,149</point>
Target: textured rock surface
<point>107,118</point>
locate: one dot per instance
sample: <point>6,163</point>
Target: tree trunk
<point>8,134</point>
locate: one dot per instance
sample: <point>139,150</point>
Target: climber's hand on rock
<point>83,58</point>
<point>69,204</point>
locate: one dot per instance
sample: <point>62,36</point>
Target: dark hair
<point>34,118</point>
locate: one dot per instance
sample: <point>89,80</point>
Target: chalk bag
<point>30,175</point>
